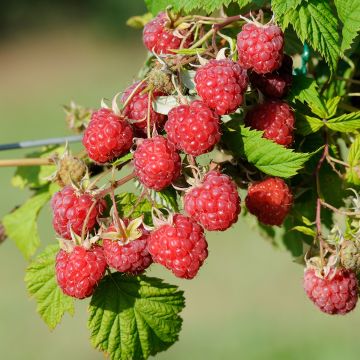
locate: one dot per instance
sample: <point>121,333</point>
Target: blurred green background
<point>246,303</point>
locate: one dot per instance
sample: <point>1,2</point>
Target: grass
<point>246,303</point>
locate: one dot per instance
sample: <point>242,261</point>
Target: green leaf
<point>166,198</point>
<point>134,317</point>
<point>41,284</point>
<point>155,6</point>
<point>129,206</point>
<point>315,23</point>
<point>35,176</point>
<point>332,105</point>
<point>21,224</point>
<point>353,171</point>
<point>349,14</point>
<point>281,7</point>
<point>305,90</point>
<point>306,125</point>
<point>345,123</point>
<point>305,230</point>
<point>269,157</point>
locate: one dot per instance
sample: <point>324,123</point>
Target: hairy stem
<point>115,185</point>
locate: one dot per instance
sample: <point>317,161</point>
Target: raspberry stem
<point>26,162</point>
<point>115,185</point>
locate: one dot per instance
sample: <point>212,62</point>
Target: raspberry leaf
<point>306,125</point>
<point>315,23</point>
<point>134,317</point>
<point>353,171</point>
<point>349,14</point>
<point>21,224</point>
<point>41,284</point>
<point>345,123</point>
<point>267,156</point>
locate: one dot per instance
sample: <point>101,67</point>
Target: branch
<point>115,185</point>
<point>27,162</point>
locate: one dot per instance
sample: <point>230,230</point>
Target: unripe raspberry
<point>132,257</point>
<point>350,255</point>
<point>71,170</point>
<point>269,200</point>
<point>180,247</point>
<point>336,293</point>
<point>221,85</point>
<point>157,163</point>
<point>277,120</point>
<point>138,106</point>
<point>277,83</point>
<point>78,272</point>
<point>70,210</point>
<point>159,38</point>
<point>193,128</point>
<point>160,80</point>
<point>260,47</point>
<point>215,203</point>
<point>107,137</point>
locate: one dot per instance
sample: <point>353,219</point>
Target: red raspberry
<point>159,38</point>
<point>70,210</point>
<point>157,163</point>
<point>336,293</point>
<point>107,137</point>
<point>181,247</point>
<point>277,120</point>
<point>137,108</point>
<point>79,271</point>
<point>221,84</point>
<point>277,83</point>
<point>260,48</point>
<point>193,128</point>
<point>132,258</point>
<point>269,200</point>
<point>215,203</point>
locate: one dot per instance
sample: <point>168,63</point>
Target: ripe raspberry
<point>132,258</point>
<point>70,211</point>
<point>137,108</point>
<point>221,85</point>
<point>276,119</point>
<point>181,247</point>
<point>215,203</point>
<point>260,48</point>
<point>277,83</point>
<point>107,137</point>
<point>269,200</point>
<point>336,293</point>
<point>193,128</point>
<point>159,38</point>
<point>157,163</point>
<point>79,271</point>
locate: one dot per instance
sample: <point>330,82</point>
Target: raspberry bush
<point>243,109</point>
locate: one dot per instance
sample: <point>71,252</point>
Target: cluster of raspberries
<point>213,202</point>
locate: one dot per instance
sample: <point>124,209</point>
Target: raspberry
<point>79,271</point>
<point>215,203</point>
<point>159,38</point>
<point>350,255</point>
<point>336,293</point>
<point>137,108</point>
<point>180,247</point>
<point>193,128</point>
<point>221,84</point>
<point>70,211</point>
<point>107,137</point>
<point>260,47</point>
<point>71,170</point>
<point>276,119</point>
<point>132,258</point>
<point>277,83</point>
<point>157,163</point>
<point>269,200</point>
